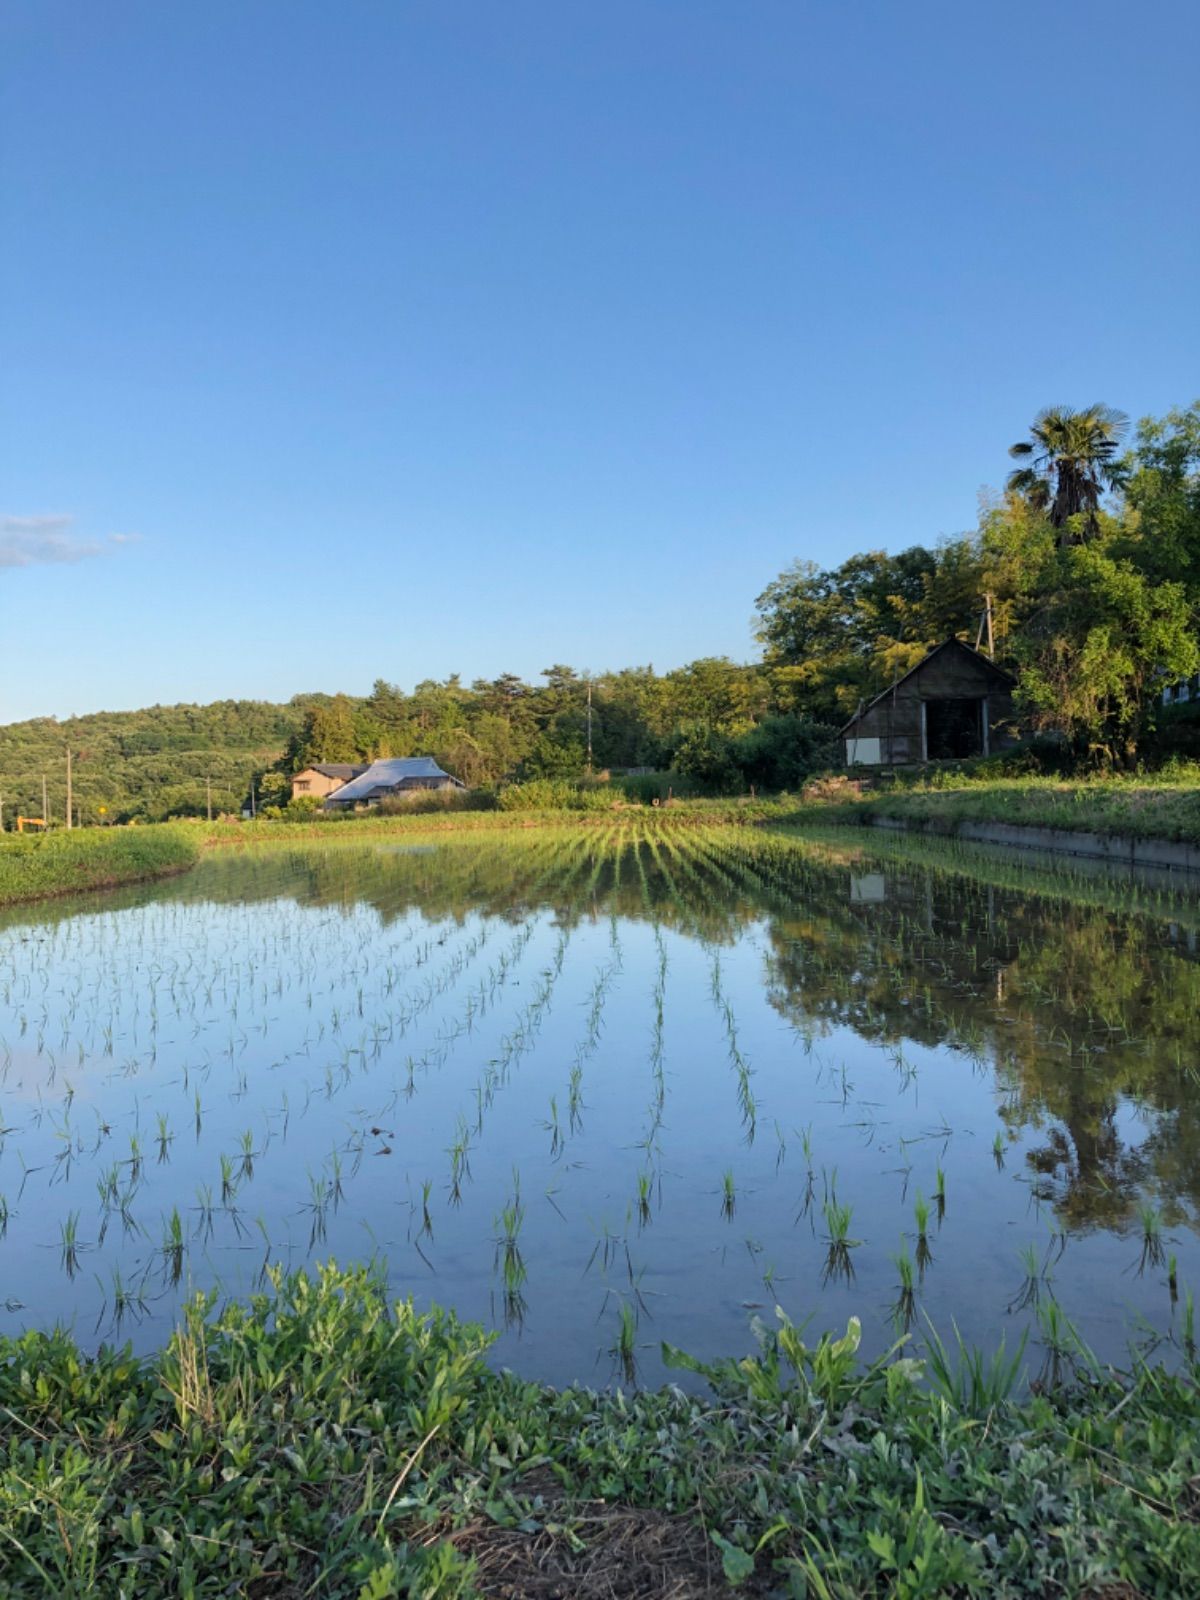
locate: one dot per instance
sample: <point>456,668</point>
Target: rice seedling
<point>553,1129</point>
<point>508,1257</point>
<point>247,1155</point>
<point>1036,1278</point>
<point>645,1188</point>
<point>838,1263</point>
<point>905,1305</point>
<point>205,1210</point>
<point>998,1151</point>
<point>939,1194</point>
<point>460,1166</point>
<point>125,1300</point>
<point>172,1247</point>
<point>625,1349</point>
<point>1153,1253</point>
<point>575,1099</point>
<point>728,1195</point>
<point>923,1253</point>
<point>69,1237</point>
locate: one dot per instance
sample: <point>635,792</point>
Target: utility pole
<point>45,803</point>
<point>985,626</point>
<point>253,802</point>
<point>1,813</point>
<point>68,786</point>
<point>589,727</point>
<point>208,792</point>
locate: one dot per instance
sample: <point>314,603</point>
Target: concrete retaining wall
<point>1118,848</point>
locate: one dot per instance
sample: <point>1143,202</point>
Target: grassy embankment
<point>1162,807</point>
<point>35,866</point>
<point>325,1442</point>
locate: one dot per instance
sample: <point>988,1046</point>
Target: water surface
<point>560,1078</point>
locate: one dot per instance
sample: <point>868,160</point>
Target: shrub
<point>427,801</point>
<point>708,757</point>
<point>645,788</point>
<point>783,752</point>
<point>302,809</point>
<point>556,794</point>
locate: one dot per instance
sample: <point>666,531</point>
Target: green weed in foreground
<point>320,1440</point>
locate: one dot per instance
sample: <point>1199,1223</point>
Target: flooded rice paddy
<point>602,1088</point>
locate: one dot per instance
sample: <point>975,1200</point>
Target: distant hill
<point>146,764</point>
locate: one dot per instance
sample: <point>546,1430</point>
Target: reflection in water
<point>602,1086</point>
<point>1089,1016</point>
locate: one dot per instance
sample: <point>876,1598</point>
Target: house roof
<point>947,644</point>
<point>336,769</point>
<point>388,774</point>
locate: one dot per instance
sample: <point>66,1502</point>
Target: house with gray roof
<point>323,777</point>
<point>391,778</point>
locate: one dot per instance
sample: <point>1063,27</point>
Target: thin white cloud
<point>49,540</point>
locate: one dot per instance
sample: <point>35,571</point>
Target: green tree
<point>1072,457</point>
<point>329,734</point>
<point>1099,643</point>
<point>1163,497</point>
<point>707,756</point>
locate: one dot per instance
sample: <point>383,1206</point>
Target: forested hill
<point>151,763</point>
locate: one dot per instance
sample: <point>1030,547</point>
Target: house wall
<point>897,722</point>
<point>316,783</point>
<point>1179,693</point>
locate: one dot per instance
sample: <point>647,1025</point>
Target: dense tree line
<point>1090,558</point>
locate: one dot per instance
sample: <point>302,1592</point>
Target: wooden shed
<point>952,705</point>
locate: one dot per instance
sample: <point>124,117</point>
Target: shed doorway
<point>954,729</point>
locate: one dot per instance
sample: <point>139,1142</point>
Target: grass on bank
<point>1166,806</point>
<point>322,1441</point>
<point>64,862</point>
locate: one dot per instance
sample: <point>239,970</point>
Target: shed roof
<point>947,644</point>
<point>387,774</point>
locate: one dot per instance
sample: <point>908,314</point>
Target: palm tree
<point>1073,460</point>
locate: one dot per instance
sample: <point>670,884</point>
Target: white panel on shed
<point>864,752</point>
<point>868,888</point>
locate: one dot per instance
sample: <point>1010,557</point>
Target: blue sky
<point>396,339</point>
